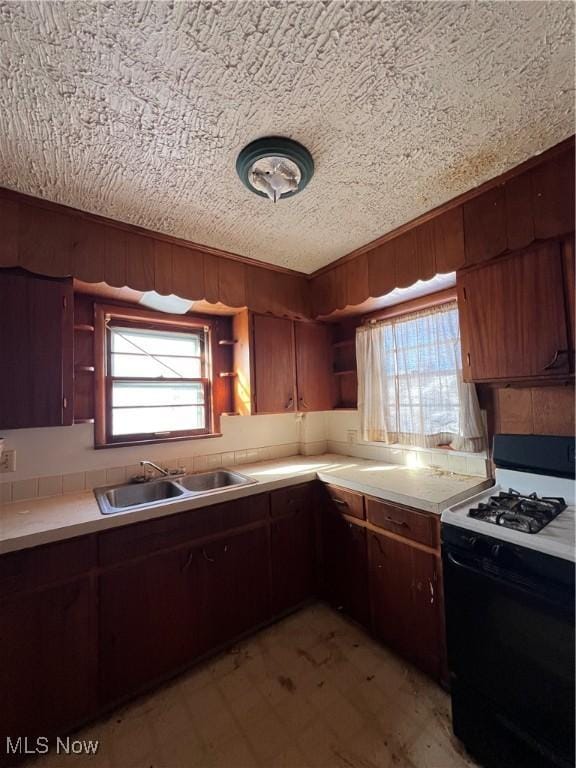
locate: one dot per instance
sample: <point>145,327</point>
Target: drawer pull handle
<point>206,557</point>
<point>377,540</point>
<point>553,363</point>
<point>189,560</point>
<point>401,523</point>
<point>339,501</point>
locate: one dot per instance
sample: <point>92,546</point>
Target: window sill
<point>419,449</point>
<point>180,439</point>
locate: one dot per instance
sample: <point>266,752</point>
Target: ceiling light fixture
<point>171,304</point>
<point>275,167</point>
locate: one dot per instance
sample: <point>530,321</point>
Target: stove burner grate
<point>511,509</point>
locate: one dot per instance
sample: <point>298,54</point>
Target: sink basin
<point>122,498</point>
<point>130,496</point>
<point>206,482</point>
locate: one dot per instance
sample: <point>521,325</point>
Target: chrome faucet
<point>145,463</point>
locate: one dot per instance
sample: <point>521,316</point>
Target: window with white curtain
<point>410,387</point>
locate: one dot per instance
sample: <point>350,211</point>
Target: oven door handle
<point>453,561</point>
<point>529,589</point>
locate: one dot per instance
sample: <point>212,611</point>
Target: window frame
<point>126,317</point>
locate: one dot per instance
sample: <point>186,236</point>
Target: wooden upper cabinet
<point>314,379</point>
<point>274,364</point>
<point>569,292</point>
<point>281,365</point>
<point>36,350</point>
<point>513,317</point>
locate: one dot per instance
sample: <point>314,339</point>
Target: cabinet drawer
<point>141,539</point>
<point>40,566</point>
<point>287,501</point>
<point>346,502</point>
<point>417,526</point>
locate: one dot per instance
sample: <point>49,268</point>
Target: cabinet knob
<point>290,402</point>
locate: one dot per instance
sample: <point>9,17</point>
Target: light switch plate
<point>8,461</point>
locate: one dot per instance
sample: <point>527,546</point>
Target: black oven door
<point>511,645</point>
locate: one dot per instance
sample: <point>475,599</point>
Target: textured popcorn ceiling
<point>137,110</point>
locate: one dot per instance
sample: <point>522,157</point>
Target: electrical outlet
<point>8,461</point>
<point>352,435</point>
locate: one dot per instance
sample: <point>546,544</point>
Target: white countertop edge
<point>314,467</point>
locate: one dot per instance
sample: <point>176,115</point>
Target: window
<point>156,378</point>
<point>410,387</point>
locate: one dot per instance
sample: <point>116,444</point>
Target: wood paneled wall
<point>534,201</point>
<point>53,240</point>
<point>545,410</point>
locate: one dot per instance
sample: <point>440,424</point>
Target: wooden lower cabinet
<point>234,587</point>
<point>404,593</point>
<point>148,618</point>
<point>293,562</point>
<point>48,659</point>
<point>345,566</point>
<point>89,622</point>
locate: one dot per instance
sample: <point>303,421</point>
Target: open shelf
<point>344,343</point>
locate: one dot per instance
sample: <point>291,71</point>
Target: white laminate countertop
<point>25,524</point>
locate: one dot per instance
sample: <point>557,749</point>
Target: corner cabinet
<point>36,350</point>
<point>281,365</point>
<point>514,318</point>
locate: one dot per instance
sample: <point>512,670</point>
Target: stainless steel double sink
<point>131,496</point>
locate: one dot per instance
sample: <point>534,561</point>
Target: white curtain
<point>410,387</point>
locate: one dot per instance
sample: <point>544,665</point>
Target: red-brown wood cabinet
<point>90,622</point>
<point>36,350</point>
<point>513,317</point>
<point>282,365</point>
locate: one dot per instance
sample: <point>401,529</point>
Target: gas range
<point>508,559</point>
<point>528,509</point>
<point>493,514</point>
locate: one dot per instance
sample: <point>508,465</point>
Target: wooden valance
<point>50,239</point>
<point>534,201</point>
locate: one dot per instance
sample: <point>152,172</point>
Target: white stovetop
<point>30,523</point>
<point>558,538</point>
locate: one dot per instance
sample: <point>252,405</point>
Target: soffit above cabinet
<point>138,111</point>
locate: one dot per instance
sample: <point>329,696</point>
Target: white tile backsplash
<point>25,489</point>
<point>95,478</point>
<point>74,482</point>
<point>314,435</point>
<point>116,475</point>
<point>5,493</point>
<point>50,486</point>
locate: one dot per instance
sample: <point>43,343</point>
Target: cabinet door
<point>404,600</point>
<point>274,365</point>
<point>314,376</point>
<point>36,351</point>
<point>512,317</point>
<point>234,587</point>
<point>148,626</point>
<point>345,566</point>
<point>293,547</point>
<point>48,660</point>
